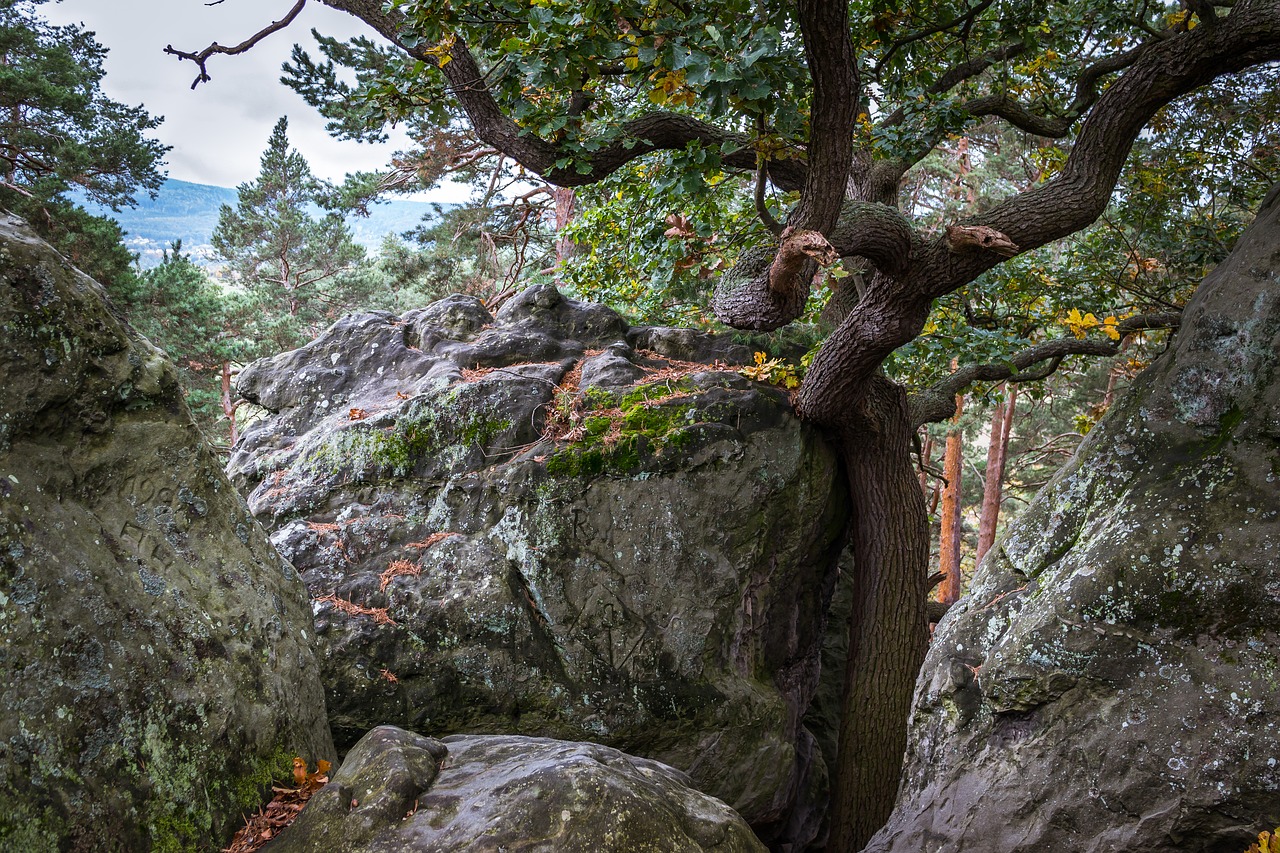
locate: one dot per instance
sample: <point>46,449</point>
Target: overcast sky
<point>219,130</point>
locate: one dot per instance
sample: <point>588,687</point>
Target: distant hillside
<point>188,212</point>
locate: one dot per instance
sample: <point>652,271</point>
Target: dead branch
<point>201,58</point>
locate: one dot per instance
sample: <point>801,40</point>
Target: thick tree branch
<point>651,132</point>
<point>938,402</point>
<point>203,56</point>
<point>1078,195</point>
<point>876,232</point>
<point>824,27</point>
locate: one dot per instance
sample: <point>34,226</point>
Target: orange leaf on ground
<point>284,807</point>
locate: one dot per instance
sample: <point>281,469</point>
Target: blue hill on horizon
<point>189,212</point>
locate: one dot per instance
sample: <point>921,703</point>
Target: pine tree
<point>59,134</point>
<point>294,267</point>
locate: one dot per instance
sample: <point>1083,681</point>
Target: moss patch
<point>444,426</point>
<point>622,432</point>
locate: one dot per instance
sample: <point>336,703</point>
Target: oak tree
<point>827,106</point>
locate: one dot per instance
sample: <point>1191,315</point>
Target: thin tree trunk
<point>949,540</point>
<point>926,456</point>
<point>229,407</point>
<point>993,488</point>
<point>564,199</point>
<point>888,625</point>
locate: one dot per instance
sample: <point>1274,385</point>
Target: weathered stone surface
<point>1111,681</point>
<point>155,664</point>
<point>649,582</point>
<point>399,792</point>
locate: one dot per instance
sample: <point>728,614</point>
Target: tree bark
<point>564,200</point>
<point>229,407</point>
<point>993,487</point>
<point>888,626</point>
<point>949,540</point>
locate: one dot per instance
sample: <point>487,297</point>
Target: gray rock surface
<point>648,581</point>
<point>1110,683</point>
<point>156,671</point>
<point>399,792</point>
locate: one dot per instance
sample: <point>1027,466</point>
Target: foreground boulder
<point>1110,681</point>
<point>547,523</point>
<point>155,664</point>
<point>399,792</point>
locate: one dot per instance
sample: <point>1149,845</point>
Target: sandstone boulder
<point>1110,683</point>
<point>399,792</point>
<point>156,670</point>
<point>532,524</point>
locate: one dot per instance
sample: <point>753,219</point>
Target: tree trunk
<point>949,540</point>
<point>993,487</point>
<point>888,627</point>
<point>229,407</point>
<point>564,200</point>
<point>926,456</point>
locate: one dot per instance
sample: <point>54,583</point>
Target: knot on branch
<point>973,238</point>
<point>877,232</point>
<point>744,298</point>
<point>798,247</point>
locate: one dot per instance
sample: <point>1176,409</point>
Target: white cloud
<point>219,130</point>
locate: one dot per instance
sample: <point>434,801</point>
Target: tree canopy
<point>289,261</point>
<point>59,133</point>
<point>826,110</point>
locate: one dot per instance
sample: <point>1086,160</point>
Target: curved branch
<point>651,132</point>
<point>762,208</point>
<point>203,56</point>
<point>1079,194</point>
<point>877,232</point>
<point>964,18</point>
<point>938,402</point>
<point>828,50</point>
<point>1055,127</point>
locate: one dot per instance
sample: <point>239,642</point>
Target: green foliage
<point>293,267</point>
<point>181,310</point>
<point>59,132</point>
<point>652,237</point>
<point>477,249</point>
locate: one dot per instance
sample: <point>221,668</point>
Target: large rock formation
<point>1110,683</point>
<point>155,662</point>
<point>399,791</point>
<point>648,576</point>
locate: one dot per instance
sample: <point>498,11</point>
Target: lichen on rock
<point>156,670</point>
<point>640,545</point>
<point>1111,680</point>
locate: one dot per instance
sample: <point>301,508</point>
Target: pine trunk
<point>993,487</point>
<point>949,540</point>
<point>564,201</point>
<point>229,407</point>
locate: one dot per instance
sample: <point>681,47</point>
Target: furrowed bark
<point>888,628</point>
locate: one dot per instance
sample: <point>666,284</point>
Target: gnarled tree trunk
<point>888,629</point>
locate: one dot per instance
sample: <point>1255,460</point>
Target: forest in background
<point>1058,330</point>
<point>647,241</point>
